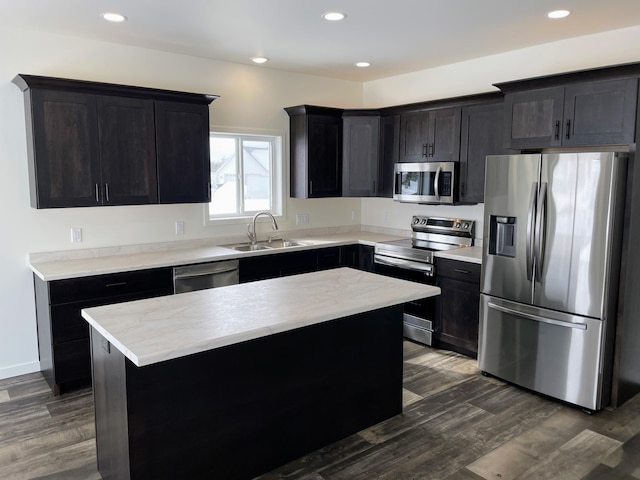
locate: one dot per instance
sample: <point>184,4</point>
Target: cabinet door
<point>481,135</point>
<point>414,136</point>
<point>361,139</point>
<point>127,150</point>
<point>390,153</point>
<point>444,135</point>
<point>458,306</point>
<point>600,113</point>
<point>324,156</point>
<point>66,169</point>
<point>182,146</point>
<point>534,118</point>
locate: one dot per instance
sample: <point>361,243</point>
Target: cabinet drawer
<point>464,271</point>
<point>110,285</point>
<point>72,361</point>
<point>67,323</point>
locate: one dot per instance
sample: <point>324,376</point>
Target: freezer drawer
<point>556,354</point>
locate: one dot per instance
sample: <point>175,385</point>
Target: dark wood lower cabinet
<point>63,335</point>
<point>242,410</point>
<point>458,306</point>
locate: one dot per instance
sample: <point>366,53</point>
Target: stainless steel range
<point>413,259</point>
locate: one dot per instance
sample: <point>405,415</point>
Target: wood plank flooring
<point>456,425</point>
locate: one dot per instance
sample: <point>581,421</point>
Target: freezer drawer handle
<point>536,318</point>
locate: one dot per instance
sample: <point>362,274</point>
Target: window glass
<point>244,175</point>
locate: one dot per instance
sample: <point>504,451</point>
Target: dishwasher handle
<point>188,273</point>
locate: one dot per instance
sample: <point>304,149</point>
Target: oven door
<point>418,314</point>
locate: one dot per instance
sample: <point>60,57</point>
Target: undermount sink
<point>264,245</point>
<point>246,247</point>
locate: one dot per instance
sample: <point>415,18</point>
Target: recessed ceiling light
<point>363,64</point>
<point>558,14</point>
<point>334,16</point>
<point>259,59</point>
<point>113,17</point>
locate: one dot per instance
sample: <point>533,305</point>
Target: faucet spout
<point>251,228</point>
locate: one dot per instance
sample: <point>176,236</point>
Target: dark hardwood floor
<point>456,425</point>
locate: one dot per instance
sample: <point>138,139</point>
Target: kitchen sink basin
<point>264,245</point>
<point>282,243</point>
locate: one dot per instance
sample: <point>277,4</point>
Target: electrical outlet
<point>180,227</point>
<point>76,234</point>
<point>387,217</point>
<point>354,215</point>
<point>302,219</point>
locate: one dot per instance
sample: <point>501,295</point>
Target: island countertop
<point>163,328</point>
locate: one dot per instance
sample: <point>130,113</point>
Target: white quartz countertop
<point>467,254</point>
<point>157,329</point>
<point>112,260</point>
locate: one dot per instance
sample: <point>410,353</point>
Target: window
<point>246,171</point>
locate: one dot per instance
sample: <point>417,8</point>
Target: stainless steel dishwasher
<point>205,275</point>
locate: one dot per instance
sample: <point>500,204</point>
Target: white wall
<point>478,76</point>
<point>250,98</point>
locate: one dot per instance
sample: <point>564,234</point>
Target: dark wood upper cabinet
<point>481,135</point>
<point>578,114</point>
<point>315,151</point>
<point>63,143</point>
<point>182,141</point>
<point>360,156</point>
<point>92,144</point>
<point>600,113</point>
<point>389,153</point>
<point>127,150</point>
<point>430,135</point>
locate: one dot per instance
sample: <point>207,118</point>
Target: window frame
<point>277,180</point>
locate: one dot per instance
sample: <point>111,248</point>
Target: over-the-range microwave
<point>428,182</point>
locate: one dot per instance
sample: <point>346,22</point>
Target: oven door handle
<point>426,268</point>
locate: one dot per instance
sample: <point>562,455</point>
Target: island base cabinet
<point>239,411</point>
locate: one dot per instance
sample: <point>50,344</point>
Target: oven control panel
<point>451,226</point>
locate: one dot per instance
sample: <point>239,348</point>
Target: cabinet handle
<point>424,150</point>
<point>310,187</point>
<point>118,284</point>
<point>557,135</point>
<point>97,193</point>
<point>374,186</point>
<point>459,270</point>
<point>431,149</point>
<point>106,191</point>
<point>568,128</point>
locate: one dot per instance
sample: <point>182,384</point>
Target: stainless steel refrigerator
<point>551,260</point>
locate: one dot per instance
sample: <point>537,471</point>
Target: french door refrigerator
<point>551,260</point>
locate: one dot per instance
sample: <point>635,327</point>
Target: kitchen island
<point>235,381</point>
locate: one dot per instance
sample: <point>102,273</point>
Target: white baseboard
<point>15,370</point>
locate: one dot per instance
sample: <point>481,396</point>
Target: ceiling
<point>396,37</point>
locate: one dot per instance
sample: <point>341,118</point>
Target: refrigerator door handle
<point>540,232</point>
<point>436,184</point>
<point>536,318</point>
<point>531,218</point>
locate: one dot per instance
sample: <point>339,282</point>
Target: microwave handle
<point>436,184</point>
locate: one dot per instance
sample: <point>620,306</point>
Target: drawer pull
<point>119,284</point>
<point>459,270</point>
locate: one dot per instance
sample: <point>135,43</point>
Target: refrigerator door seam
<point>536,318</point>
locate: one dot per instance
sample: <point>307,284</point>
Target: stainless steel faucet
<point>251,227</point>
